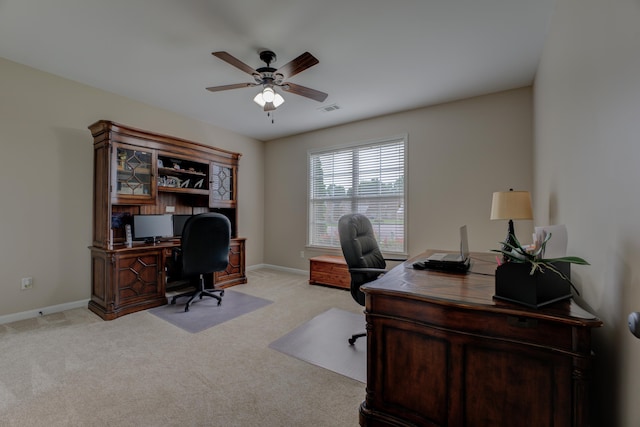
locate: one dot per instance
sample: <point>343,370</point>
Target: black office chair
<point>362,254</point>
<point>204,250</point>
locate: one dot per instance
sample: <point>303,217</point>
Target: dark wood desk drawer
<point>516,327</point>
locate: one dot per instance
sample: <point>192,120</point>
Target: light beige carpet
<point>74,369</point>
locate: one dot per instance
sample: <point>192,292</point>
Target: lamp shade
<point>278,100</point>
<point>511,205</point>
<point>268,94</point>
<point>259,99</point>
<point>269,99</point>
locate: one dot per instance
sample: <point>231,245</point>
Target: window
<point>365,178</point>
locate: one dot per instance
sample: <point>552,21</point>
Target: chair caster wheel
<point>352,341</point>
<point>219,302</point>
<point>186,308</point>
<point>173,302</point>
<point>221,293</point>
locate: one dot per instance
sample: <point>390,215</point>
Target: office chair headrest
<point>358,242</point>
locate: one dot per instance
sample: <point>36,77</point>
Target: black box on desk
<point>515,284</point>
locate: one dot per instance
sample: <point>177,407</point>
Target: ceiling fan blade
<point>233,86</point>
<point>298,65</point>
<point>305,91</point>
<point>228,58</point>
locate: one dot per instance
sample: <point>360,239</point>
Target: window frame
<point>402,139</point>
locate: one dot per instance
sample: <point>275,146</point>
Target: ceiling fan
<point>269,77</point>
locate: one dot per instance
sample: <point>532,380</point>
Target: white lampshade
<point>278,100</point>
<point>259,99</point>
<point>511,205</point>
<point>268,94</point>
<point>269,99</point>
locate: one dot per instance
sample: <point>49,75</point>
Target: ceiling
<point>376,57</point>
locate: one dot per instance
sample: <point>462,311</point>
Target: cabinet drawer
<point>139,276</point>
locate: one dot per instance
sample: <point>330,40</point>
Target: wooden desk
<point>442,352</point>
<point>129,279</point>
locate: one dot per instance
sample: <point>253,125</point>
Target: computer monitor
<point>150,228</point>
<point>178,224</point>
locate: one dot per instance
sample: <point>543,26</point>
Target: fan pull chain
<point>269,114</point>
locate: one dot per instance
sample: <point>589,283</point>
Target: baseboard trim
<point>277,267</point>
<point>30,314</point>
<point>37,312</point>
<point>255,267</point>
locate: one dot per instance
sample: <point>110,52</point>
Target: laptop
<point>448,260</point>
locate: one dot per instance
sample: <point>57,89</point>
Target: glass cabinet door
<point>222,191</point>
<point>134,173</point>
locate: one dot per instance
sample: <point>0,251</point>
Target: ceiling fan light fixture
<point>278,100</point>
<point>268,94</point>
<point>269,77</point>
<point>259,99</point>
<point>269,97</point>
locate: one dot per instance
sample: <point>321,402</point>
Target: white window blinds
<point>367,179</point>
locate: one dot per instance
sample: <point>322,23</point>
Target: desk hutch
<point>140,172</point>
<point>442,352</point>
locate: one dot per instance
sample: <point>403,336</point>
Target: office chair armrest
<point>368,270</point>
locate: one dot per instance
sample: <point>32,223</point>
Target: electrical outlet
<point>170,209</point>
<point>301,254</point>
<point>26,283</point>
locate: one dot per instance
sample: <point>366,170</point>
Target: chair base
<point>354,337</point>
<point>199,292</point>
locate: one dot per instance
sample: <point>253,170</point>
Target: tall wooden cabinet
<point>140,172</point>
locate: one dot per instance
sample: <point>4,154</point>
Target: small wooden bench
<point>330,270</point>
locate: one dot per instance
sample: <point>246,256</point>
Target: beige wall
<point>46,181</point>
<point>459,153</point>
<point>587,148</point>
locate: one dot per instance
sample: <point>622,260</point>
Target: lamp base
<point>510,241</point>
